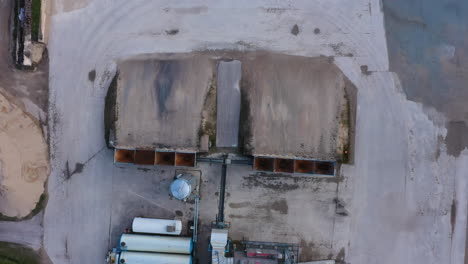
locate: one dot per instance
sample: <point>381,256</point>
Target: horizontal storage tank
<point>165,244</point>
<point>153,258</point>
<point>157,226</point>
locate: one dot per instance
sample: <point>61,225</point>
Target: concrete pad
<point>281,208</point>
<point>27,232</point>
<point>228,103</point>
<point>117,195</point>
<point>148,195</point>
<point>106,31</point>
<point>159,103</point>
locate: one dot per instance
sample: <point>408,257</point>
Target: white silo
<point>153,258</point>
<point>165,244</point>
<point>157,226</point>
<point>183,186</point>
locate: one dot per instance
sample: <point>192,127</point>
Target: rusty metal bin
<point>324,167</point>
<point>284,165</point>
<point>264,164</point>
<point>124,155</point>
<point>165,158</point>
<point>145,157</point>
<point>304,166</point>
<point>185,159</point>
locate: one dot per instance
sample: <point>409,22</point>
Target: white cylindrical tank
<point>157,226</point>
<point>183,186</point>
<point>153,258</point>
<point>165,244</point>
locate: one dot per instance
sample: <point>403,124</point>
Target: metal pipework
<point>245,161</point>
<point>222,188</point>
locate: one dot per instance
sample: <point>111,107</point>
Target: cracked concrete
<point>399,192</point>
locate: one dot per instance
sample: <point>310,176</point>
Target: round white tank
<point>153,258</point>
<point>182,187</point>
<point>165,244</point>
<point>157,226</point>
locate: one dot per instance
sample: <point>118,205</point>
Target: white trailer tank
<point>153,258</point>
<point>164,244</point>
<point>157,226</point>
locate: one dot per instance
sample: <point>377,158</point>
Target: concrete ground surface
<point>404,193</point>
<point>27,232</point>
<point>123,193</point>
<point>283,208</point>
<point>149,197</point>
<point>428,51</point>
<point>228,103</point>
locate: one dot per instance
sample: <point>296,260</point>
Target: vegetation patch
<point>15,28</point>
<point>345,124</point>
<point>245,130</point>
<point>110,111</point>
<point>11,253</point>
<point>209,112</point>
<point>36,19</point>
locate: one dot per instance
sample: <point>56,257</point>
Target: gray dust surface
<point>428,43</point>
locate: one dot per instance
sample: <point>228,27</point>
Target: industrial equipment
<point>137,248</point>
<point>156,226</point>
<point>183,186</point>
<point>219,243</point>
<point>164,244</point>
<point>126,257</point>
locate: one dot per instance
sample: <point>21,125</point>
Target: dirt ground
<point>24,161</point>
<point>432,62</point>
<point>23,149</point>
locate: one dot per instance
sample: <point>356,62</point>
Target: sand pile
<point>23,161</point>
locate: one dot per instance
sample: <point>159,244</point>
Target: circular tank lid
<point>180,189</point>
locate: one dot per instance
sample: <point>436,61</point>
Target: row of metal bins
<point>153,249</point>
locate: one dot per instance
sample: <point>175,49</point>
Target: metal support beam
<point>222,190</point>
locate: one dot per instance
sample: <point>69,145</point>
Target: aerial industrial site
<point>233,132</point>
